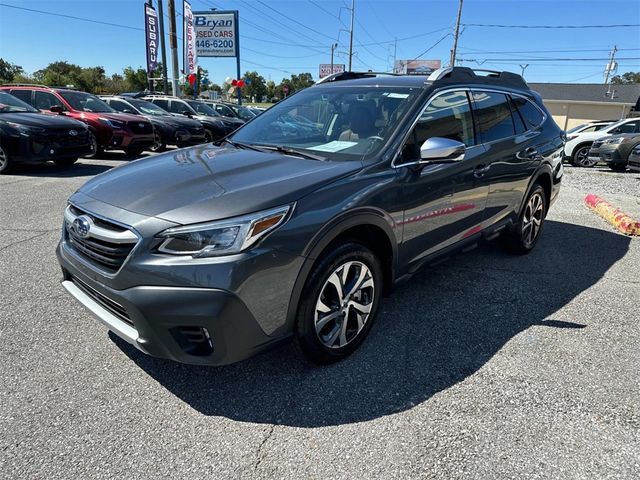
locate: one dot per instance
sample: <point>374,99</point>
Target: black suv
<point>168,129</point>
<point>215,126</point>
<point>28,136</point>
<point>211,254</point>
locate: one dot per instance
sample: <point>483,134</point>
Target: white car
<point>579,140</point>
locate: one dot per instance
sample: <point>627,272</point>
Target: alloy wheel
<point>532,219</point>
<point>4,160</point>
<point>582,156</point>
<point>157,142</point>
<point>344,304</point>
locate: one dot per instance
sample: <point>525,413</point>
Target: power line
<point>294,20</point>
<point>546,51</point>
<point>432,46</point>
<point>72,17</point>
<point>549,26</point>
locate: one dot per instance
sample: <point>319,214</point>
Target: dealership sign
<point>190,55</point>
<point>151,30</point>
<point>416,67</point>
<point>216,34</point>
<point>325,69</point>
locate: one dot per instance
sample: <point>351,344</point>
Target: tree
<point>304,80</point>
<point>8,71</point>
<point>135,80</point>
<point>271,89</point>
<point>626,78</point>
<point>256,87</point>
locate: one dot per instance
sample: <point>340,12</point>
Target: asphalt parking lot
<point>486,366</point>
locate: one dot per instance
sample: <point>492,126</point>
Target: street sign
<point>325,69</point>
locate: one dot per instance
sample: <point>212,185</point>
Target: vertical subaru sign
<point>151,30</point>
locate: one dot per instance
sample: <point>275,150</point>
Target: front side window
<point>119,105</point>
<point>335,122</point>
<point>629,127</point>
<point>203,108</point>
<point>224,110</point>
<point>493,116</point>
<point>149,108</point>
<point>178,106</point>
<point>446,116</point>
<point>46,100</point>
<point>162,103</point>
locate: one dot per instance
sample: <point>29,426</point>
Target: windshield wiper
<point>245,146</point>
<point>291,151</point>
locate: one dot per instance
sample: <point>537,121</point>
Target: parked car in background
<point>27,136</point>
<point>634,159</point>
<point>223,251</point>
<point>108,129</point>
<point>231,111</point>
<point>615,150</point>
<point>589,127</point>
<point>578,144</point>
<point>168,129</point>
<point>215,126</point>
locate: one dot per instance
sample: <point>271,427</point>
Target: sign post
<point>217,35</point>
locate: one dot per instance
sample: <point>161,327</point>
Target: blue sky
<point>277,46</point>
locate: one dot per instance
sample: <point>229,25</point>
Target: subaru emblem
<point>141,125</point>
<point>73,133</point>
<point>82,225</point>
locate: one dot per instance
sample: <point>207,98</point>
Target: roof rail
<point>335,77</point>
<point>465,74</point>
<point>25,85</point>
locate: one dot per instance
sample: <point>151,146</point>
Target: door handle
<point>480,170</point>
<point>527,154</point>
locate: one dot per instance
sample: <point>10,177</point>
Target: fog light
<point>52,151</point>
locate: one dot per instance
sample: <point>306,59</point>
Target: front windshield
<point>340,123</point>
<point>85,102</point>
<point>11,104</point>
<point>149,108</point>
<point>203,108</point>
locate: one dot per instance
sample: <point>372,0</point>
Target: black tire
<point>6,164</point>
<point>618,167</point>
<point>95,147</point>
<point>133,152</point>
<point>346,322</point>
<point>580,156</point>
<point>208,135</point>
<point>158,145</point>
<point>519,239</point>
<point>65,162</point>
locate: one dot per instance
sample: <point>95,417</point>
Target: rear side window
<point>529,112</point>
<point>493,116</point>
<point>118,105</point>
<point>24,95</point>
<point>177,107</point>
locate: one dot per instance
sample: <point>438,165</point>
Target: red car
<point>109,130</point>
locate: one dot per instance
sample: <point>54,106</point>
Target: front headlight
<point>112,123</point>
<point>224,237</point>
<point>615,141</point>
<point>25,129</point>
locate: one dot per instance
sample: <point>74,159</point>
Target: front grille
<point>597,144</point>
<point>109,255</point>
<point>111,305</point>
<point>141,128</point>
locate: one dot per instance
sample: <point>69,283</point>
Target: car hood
<point>173,121</point>
<point>42,120</point>
<point>206,183</point>
<point>123,117</point>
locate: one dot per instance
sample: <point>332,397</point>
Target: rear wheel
<point>342,297</point>
<point>65,162</point>
<point>5,162</point>
<point>524,236</point>
<point>581,158</point>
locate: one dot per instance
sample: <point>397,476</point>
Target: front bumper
<point>40,148</point>
<point>611,155</point>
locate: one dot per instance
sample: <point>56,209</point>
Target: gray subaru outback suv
<point>301,221</point>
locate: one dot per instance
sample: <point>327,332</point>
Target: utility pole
<point>610,64</point>
<point>353,9</point>
<point>165,83</point>
<point>523,67</point>
<point>452,60</point>
<point>395,51</point>
<point>333,47</point>
<point>173,43</point>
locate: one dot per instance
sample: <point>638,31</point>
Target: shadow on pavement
<point>78,169</point>
<point>435,331</point>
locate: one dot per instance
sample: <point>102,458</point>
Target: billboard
<point>216,34</point>
<point>151,33</point>
<point>190,55</point>
<point>325,69</point>
<point>416,67</point>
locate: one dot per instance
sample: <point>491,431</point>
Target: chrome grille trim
<point>98,229</point>
<point>111,305</point>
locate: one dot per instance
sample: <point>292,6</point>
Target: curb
<point>613,215</point>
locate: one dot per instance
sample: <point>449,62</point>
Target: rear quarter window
<point>529,112</point>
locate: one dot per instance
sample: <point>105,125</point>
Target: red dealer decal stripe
<point>613,215</point>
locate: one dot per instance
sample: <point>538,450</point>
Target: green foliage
<point>8,71</point>
<point>626,78</point>
<point>256,88</point>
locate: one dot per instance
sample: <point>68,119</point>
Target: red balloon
<point>234,82</point>
<point>191,78</point>
<point>241,83</point>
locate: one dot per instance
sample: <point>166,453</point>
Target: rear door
<point>511,154</point>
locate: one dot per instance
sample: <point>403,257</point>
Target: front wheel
<point>340,303</point>
<point>581,158</point>
<point>208,135</point>
<point>65,162</point>
<point>95,147</point>
<point>158,145</point>
<point>524,236</point>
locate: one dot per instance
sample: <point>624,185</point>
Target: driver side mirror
<point>56,109</point>
<point>445,150</point>
<point>186,113</point>
<point>129,111</point>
